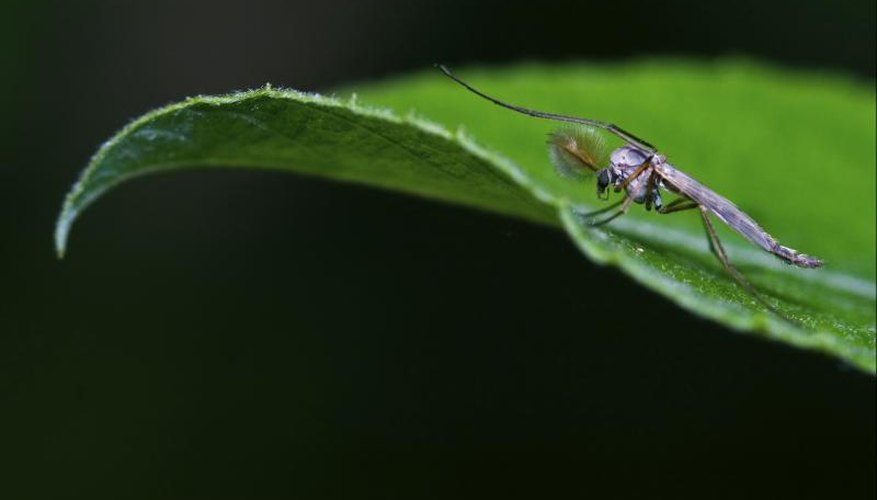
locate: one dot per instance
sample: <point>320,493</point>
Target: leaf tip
<point>62,230</point>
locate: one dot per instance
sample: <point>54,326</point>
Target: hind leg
<point>719,251</point>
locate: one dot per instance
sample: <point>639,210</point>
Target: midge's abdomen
<point>792,256</point>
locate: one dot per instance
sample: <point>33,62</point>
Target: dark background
<point>257,335</point>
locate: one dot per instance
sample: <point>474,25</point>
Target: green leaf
<point>795,150</point>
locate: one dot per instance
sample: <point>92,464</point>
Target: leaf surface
<point>794,150</point>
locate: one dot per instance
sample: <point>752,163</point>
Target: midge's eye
<point>604,178</point>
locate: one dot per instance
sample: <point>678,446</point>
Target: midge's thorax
<point>623,163</point>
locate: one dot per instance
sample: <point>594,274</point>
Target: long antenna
<point>613,129</point>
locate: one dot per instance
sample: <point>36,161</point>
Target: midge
<point>642,173</point>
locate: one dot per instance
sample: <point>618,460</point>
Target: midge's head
<point>578,152</point>
<point>605,178</point>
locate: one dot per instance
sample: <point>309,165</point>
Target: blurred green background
<point>259,335</point>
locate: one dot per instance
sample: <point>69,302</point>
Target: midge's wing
<point>726,211</point>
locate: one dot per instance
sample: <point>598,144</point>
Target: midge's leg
<point>625,204</point>
<point>678,205</point>
<point>602,210</point>
<point>650,192</point>
<point>719,251</point>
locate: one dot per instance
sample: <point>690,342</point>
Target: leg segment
<point>602,210</point>
<point>719,251</point>
<point>625,204</point>
<point>650,190</point>
<point>678,205</point>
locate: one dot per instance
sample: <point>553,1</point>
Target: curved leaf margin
<point>96,180</point>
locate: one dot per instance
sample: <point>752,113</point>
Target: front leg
<point>625,205</point>
<point>602,210</point>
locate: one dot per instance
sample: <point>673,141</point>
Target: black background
<point>259,335</point>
